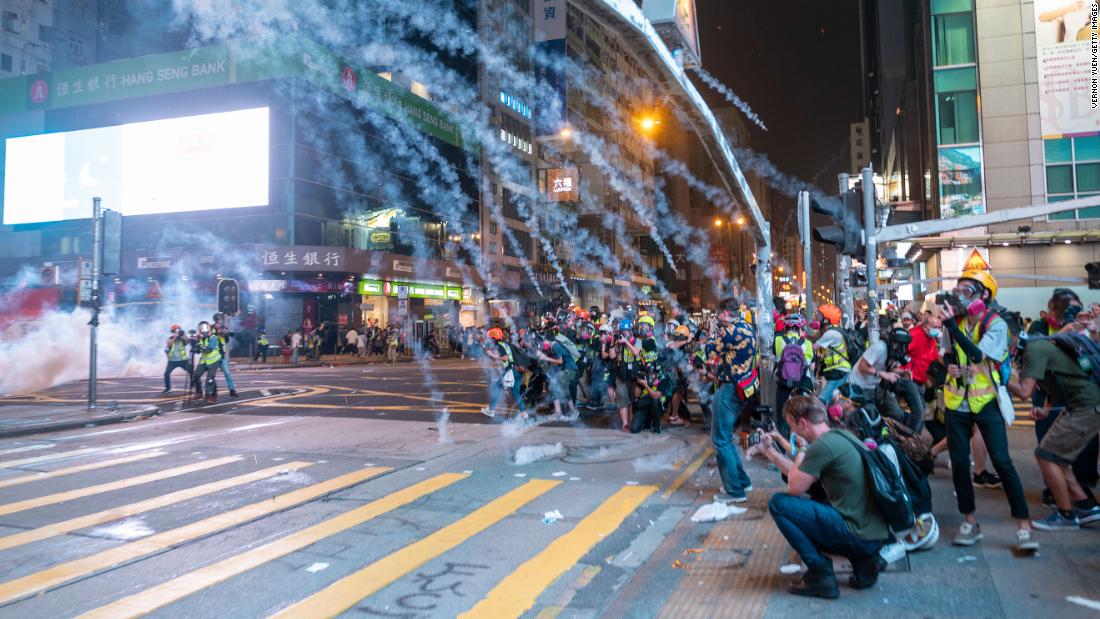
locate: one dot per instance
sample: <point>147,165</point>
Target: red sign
<point>349,79</point>
<point>39,91</point>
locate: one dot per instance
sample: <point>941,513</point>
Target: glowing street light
<point>740,221</point>
<point>718,222</point>
<point>566,132</point>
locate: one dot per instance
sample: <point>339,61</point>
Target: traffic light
<point>847,232</point>
<point>1093,269</point>
<point>229,297</point>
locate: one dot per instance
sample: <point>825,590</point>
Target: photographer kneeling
<point>851,525</point>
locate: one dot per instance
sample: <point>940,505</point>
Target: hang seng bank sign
<point>302,258</point>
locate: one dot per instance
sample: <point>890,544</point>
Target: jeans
<point>831,386</point>
<point>727,406</point>
<point>172,365</point>
<point>782,394</point>
<point>294,355</point>
<point>914,397</point>
<point>228,376</point>
<point>210,371</point>
<point>647,414</point>
<point>496,389</point>
<point>992,426</point>
<point>812,529</point>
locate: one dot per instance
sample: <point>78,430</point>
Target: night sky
<point>796,63</point>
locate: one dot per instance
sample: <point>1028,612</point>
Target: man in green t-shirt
<point>1047,365</point>
<point>850,525</point>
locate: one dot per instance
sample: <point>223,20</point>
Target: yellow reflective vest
<point>836,358</point>
<point>211,349</point>
<point>977,390</point>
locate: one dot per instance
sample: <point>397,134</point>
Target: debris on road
<point>713,512</point>
<point>551,517</point>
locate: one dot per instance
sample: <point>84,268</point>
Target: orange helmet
<point>496,333</point>
<point>831,313</point>
<point>583,314</point>
<point>175,328</point>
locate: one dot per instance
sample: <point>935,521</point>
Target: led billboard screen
<point>194,163</point>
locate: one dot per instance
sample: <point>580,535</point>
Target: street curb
<point>323,364</point>
<point>73,423</point>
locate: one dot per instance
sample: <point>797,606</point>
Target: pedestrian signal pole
<point>871,247</point>
<point>807,255</point>
<point>844,274</point>
<point>97,251</point>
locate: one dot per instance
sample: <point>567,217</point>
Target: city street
<point>331,490</point>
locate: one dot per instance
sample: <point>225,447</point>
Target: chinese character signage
<point>1065,38</point>
<point>562,185</point>
<point>302,258</point>
<point>550,20</point>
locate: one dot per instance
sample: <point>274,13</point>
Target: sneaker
<point>488,412</point>
<point>748,488</point>
<point>865,571</point>
<point>1025,541</point>
<point>968,535</point>
<point>232,393</point>
<point>723,497</point>
<point>985,479</point>
<point>818,585</point>
<point>166,390</point>
<point>892,552</point>
<point>1056,522</point>
<point>1085,516</point>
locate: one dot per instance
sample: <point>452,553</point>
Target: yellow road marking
<point>60,497</point>
<point>405,396</point>
<point>57,456</point>
<point>336,408</point>
<point>74,524</point>
<point>346,592</point>
<point>51,577</point>
<point>15,481</point>
<point>687,473</point>
<point>178,588</point>
<point>16,450</point>
<point>519,590</point>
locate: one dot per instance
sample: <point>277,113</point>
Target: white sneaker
<point>892,552</point>
<point>488,412</point>
<point>1025,541</point>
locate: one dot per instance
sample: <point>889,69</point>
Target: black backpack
<point>887,487</point>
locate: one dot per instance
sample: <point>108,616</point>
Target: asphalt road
<point>348,491</point>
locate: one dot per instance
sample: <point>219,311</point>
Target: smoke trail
<point>738,102</point>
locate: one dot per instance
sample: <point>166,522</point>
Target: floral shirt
<point>735,346</point>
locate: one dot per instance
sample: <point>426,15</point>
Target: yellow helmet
<point>983,277</point>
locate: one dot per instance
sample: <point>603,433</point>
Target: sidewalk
<point>731,568</point>
<point>23,419</point>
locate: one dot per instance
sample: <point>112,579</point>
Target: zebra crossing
<point>56,515</point>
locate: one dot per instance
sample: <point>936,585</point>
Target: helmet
<point>583,314</point>
<point>175,327</point>
<point>605,328</point>
<point>626,325</point>
<point>204,327</point>
<point>219,316</point>
<point>794,321</point>
<point>496,333</point>
<point>983,277</point>
<point>262,331</point>
<point>683,330</point>
<point>831,313</point>
<point>646,319</point>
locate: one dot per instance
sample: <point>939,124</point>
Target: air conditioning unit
<point>50,275</point>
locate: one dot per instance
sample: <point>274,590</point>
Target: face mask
<point>934,333</point>
<point>976,307</point>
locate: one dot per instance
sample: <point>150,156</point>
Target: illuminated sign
<point>562,184</point>
<point>515,105</point>
<point>194,163</point>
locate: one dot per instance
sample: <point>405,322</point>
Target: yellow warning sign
<point>976,262</point>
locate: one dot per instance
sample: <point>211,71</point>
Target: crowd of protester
<point>861,419</point>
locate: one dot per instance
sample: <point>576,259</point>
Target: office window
<point>953,39</point>
<point>1076,175</point>
<point>5,63</point>
<point>958,117</point>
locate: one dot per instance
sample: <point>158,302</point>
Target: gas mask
<point>971,298</point>
<point>204,328</point>
<point>1070,314</point>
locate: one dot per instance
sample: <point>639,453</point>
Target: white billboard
<point>194,163</point>
<point>1066,53</point>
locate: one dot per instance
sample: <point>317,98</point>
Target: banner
<point>1066,46</point>
<point>550,22</point>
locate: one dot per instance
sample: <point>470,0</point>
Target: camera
<point>762,419</point>
<point>952,299</point>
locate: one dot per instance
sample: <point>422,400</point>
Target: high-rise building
<point>1012,124</point>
